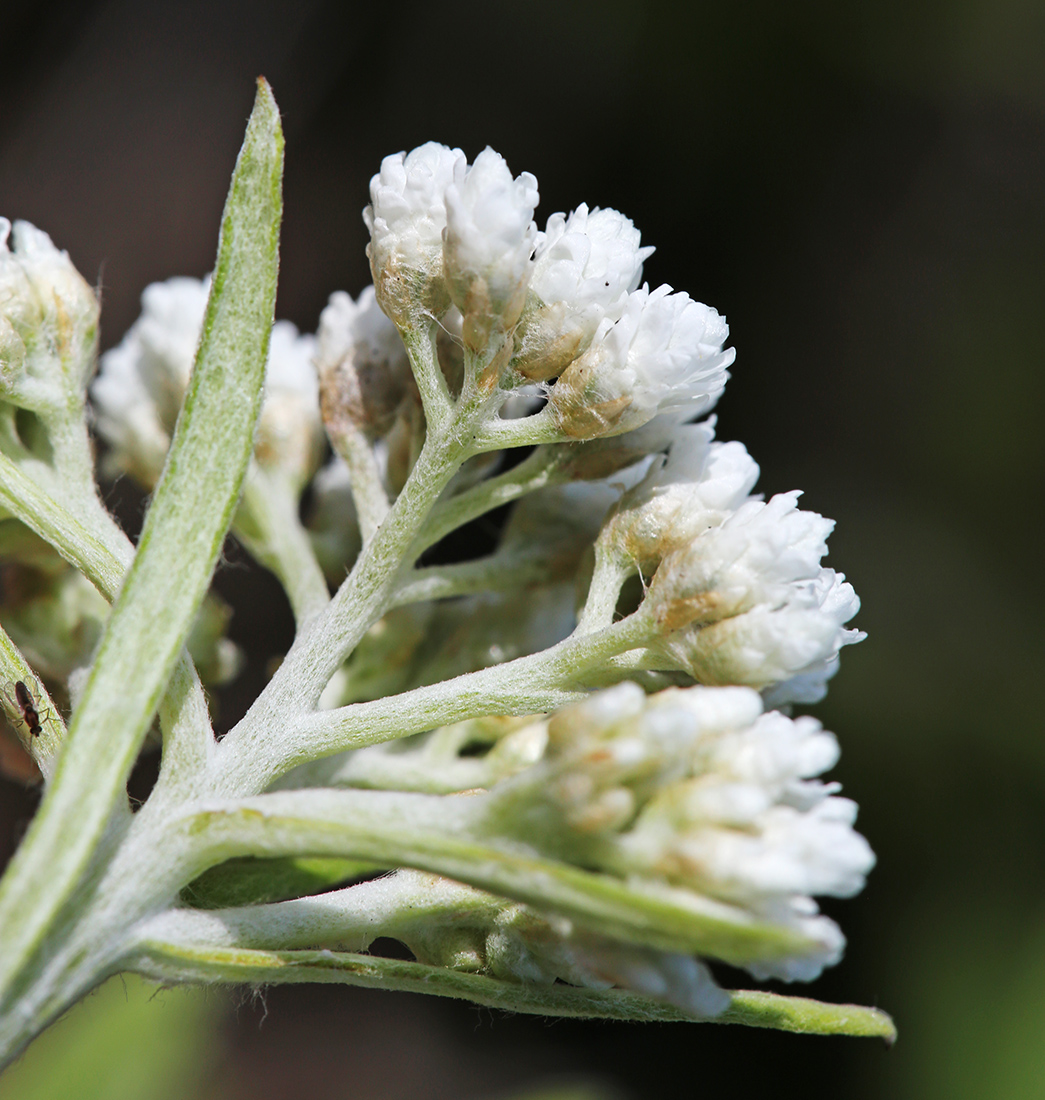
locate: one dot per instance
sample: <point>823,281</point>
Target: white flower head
<point>663,354</point>
<point>697,789</point>
<point>696,487</point>
<point>141,385</point>
<point>791,650</point>
<point>585,266</point>
<point>48,319</point>
<point>406,218</point>
<point>489,241</point>
<point>363,366</point>
<point>747,601</point>
<point>289,436</point>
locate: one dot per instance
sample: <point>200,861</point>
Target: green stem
<point>534,472</point>
<point>607,580</point>
<point>527,431</point>
<point>368,491</point>
<point>351,918</point>
<point>420,342</point>
<point>541,681</point>
<point>104,557</point>
<point>499,572</point>
<point>269,526</point>
<point>44,747</point>
<point>98,560</point>
<point>251,754</point>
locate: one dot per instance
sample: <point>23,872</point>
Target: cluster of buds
<point>698,789</point>
<point>142,382</point>
<point>562,306</point>
<point>477,317</point>
<point>736,592</point>
<point>517,944</point>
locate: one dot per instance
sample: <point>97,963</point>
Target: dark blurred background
<point>860,188</point>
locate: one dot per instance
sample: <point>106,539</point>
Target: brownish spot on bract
<point>540,356</point>
<point>580,421</point>
<point>494,369</point>
<point>403,291</point>
<point>707,607</point>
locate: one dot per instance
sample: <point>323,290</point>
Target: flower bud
<point>747,601</point>
<point>489,239</point>
<point>406,217</point>
<point>694,488</point>
<point>664,353</point>
<point>696,789</point>
<point>790,650</point>
<point>584,268</point>
<point>289,436</point>
<point>48,320</point>
<point>525,946</point>
<point>364,371</point>
<point>142,383</point>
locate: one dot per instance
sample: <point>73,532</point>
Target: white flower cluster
<point>142,382</point>
<point>406,219</point>
<point>697,788</point>
<point>489,241</point>
<point>664,354</point>
<point>737,591</point>
<point>585,266</point>
<point>621,353</point>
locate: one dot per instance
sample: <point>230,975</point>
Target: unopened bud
<point>584,268</point>
<point>48,318</point>
<point>489,240</point>
<point>663,354</point>
<point>406,218</point>
<point>364,372</point>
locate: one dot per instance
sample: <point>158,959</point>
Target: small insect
<point>26,703</point>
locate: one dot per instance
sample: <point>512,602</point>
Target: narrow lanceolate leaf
<point>174,962</point>
<point>806,1016</point>
<point>183,533</point>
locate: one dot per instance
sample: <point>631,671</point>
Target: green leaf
<point>249,881</point>
<point>217,964</point>
<point>806,1016</point>
<point>180,542</point>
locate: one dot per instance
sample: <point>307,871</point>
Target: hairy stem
<point>269,525</point>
